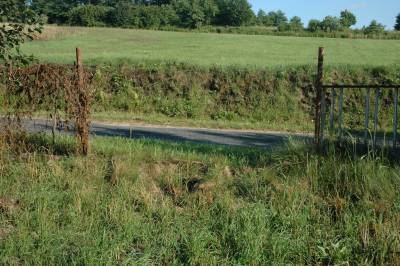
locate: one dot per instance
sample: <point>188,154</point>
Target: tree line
<point>187,14</point>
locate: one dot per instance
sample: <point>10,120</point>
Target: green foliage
<point>88,15</point>
<point>284,27</point>
<point>196,13</point>
<point>397,25</point>
<point>314,25</point>
<point>280,98</point>
<point>277,17</point>
<point>142,16</point>
<point>330,24</point>
<point>234,12</point>
<point>296,24</point>
<point>148,14</point>
<point>124,15</point>
<point>56,11</point>
<point>347,19</point>
<point>263,19</point>
<point>374,28</point>
<point>149,17</point>
<point>22,23</point>
<point>333,24</point>
<point>201,15</point>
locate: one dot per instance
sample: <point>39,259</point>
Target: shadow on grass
<point>250,156</point>
<point>356,148</point>
<point>43,143</point>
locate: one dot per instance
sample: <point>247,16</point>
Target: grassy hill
<point>111,45</point>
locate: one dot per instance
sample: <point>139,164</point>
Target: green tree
<point>347,19</point>
<point>55,10</point>
<point>88,15</point>
<point>277,17</point>
<point>374,28</point>
<point>264,19</point>
<point>261,16</point>
<point>168,15</point>
<point>284,26</point>
<point>149,16</point>
<point>314,25</point>
<point>196,13</point>
<point>330,24</point>
<point>123,15</point>
<point>397,25</point>
<point>296,24</point>
<point>234,12</point>
<point>21,23</point>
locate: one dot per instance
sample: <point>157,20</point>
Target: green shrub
<point>123,15</point>
<point>88,15</point>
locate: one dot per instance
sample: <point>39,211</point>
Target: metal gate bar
<point>376,111</point>
<point>341,114</point>
<point>323,113</point>
<point>332,115</point>
<point>320,105</point>
<point>366,123</point>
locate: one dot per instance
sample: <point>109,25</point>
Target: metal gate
<point>337,97</point>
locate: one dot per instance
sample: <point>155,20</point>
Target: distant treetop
<point>155,14</point>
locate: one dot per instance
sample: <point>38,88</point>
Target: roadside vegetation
<point>232,97</point>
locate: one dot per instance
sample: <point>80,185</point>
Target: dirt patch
<point>9,205</point>
<point>5,231</point>
<point>198,184</point>
<point>179,180</point>
<point>182,167</point>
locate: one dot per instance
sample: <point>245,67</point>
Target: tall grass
<point>196,204</point>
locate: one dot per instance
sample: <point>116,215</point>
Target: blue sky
<point>384,11</point>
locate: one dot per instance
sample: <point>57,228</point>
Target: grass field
<point>158,203</point>
<point>143,202</point>
<point>111,45</point>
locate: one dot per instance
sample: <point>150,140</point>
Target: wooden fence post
<point>82,122</point>
<point>318,99</point>
<point>396,116</point>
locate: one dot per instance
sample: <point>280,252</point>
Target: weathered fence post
<point>318,100</point>
<point>332,114</point>
<point>376,115</point>
<point>395,116</point>
<point>341,99</point>
<point>82,122</point>
<point>367,110</point>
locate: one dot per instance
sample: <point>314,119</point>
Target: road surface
<point>242,138</point>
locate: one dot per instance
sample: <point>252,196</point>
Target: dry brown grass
<point>51,32</point>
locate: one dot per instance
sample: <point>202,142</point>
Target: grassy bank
<point>112,45</point>
<point>279,99</point>
<point>234,97</point>
<point>151,203</point>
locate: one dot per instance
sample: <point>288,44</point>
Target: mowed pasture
<point>113,45</point>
